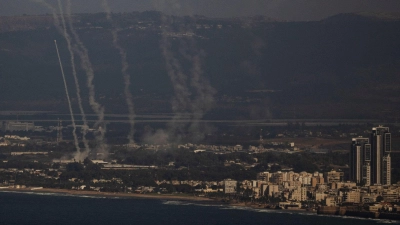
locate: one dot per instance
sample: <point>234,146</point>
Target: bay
<point>43,208</point>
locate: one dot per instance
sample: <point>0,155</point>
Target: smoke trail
<point>204,93</point>
<point>181,101</point>
<point>63,31</point>
<point>124,70</point>
<point>86,64</point>
<point>198,101</point>
<point>82,52</point>
<point>79,156</point>
<point>96,106</point>
<point>69,101</point>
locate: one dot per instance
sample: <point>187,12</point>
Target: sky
<point>292,10</point>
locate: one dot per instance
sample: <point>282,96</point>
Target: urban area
<point>256,175</point>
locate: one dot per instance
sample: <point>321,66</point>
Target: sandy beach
<point>174,197</point>
<point>181,197</point>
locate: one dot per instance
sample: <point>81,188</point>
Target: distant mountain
<point>346,66</point>
<point>364,16</point>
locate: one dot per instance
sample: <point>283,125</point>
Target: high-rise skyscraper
<point>370,160</point>
<point>381,141</point>
<point>360,158</point>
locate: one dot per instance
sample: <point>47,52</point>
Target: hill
<point>346,66</point>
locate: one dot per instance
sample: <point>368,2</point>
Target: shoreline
<point>167,197</point>
<point>108,194</point>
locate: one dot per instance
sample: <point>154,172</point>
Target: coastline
<point>166,197</point>
<point>171,197</point>
<point>109,194</point>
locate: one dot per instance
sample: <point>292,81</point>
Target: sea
<point>49,208</point>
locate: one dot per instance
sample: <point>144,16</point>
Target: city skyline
<point>370,161</point>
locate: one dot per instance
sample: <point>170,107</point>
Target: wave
<point>58,194</point>
<point>183,203</point>
<point>302,213</point>
<point>176,203</point>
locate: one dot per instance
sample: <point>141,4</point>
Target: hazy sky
<point>279,9</point>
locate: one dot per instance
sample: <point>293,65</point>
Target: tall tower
<point>360,157</point>
<point>261,147</point>
<point>381,140</point>
<point>59,131</point>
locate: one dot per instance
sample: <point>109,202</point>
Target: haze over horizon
<point>291,10</point>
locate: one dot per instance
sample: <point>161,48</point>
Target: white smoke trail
<point>124,70</point>
<point>96,106</point>
<point>204,93</point>
<point>58,27</point>
<point>181,100</point>
<point>196,102</point>
<point>79,156</point>
<point>69,101</point>
<point>86,64</point>
<point>88,68</point>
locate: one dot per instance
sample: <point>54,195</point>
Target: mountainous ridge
<point>338,61</point>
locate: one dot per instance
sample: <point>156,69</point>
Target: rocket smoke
<point>65,34</point>
<point>82,52</point>
<point>124,71</point>
<point>69,101</point>
<point>203,92</point>
<point>193,94</point>
<point>79,156</point>
<point>181,100</point>
<point>96,107</point>
<point>86,64</point>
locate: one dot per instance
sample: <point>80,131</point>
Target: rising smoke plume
<point>86,64</point>
<point>82,52</point>
<point>193,93</point>
<point>124,71</point>
<point>85,127</point>
<point>62,30</point>
<point>79,156</point>
<point>68,99</point>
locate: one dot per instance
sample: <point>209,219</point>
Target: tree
<point>74,167</point>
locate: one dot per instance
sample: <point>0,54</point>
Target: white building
<point>230,186</point>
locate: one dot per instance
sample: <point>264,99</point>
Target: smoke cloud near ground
<point>157,137</point>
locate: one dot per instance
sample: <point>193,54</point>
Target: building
<point>28,153</point>
<point>273,190</point>
<point>264,176</point>
<point>353,196</point>
<point>360,158</point>
<point>380,155</point>
<point>381,141</point>
<point>18,126</point>
<point>316,180</point>
<point>230,186</point>
<point>299,194</point>
<point>277,178</point>
<point>334,176</point>
<point>370,161</point>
